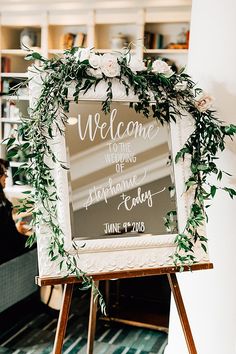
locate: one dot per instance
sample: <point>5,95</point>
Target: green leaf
<point>11,153</point>
<point>181,154</point>
<point>34,56</point>
<point>219,176</point>
<point>54,258</point>
<point>65,167</point>
<point>10,141</point>
<point>204,247</point>
<point>231,192</point>
<point>230,129</point>
<point>213,191</point>
<point>190,183</point>
<point>181,70</point>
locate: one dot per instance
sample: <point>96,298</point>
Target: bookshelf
<point>94,24</point>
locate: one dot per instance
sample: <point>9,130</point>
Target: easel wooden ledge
<point>69,282</point>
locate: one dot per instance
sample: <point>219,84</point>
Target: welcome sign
<point>124,187</point>
<point>120,187</point>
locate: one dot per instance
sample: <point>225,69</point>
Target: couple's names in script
<point>99,193</point>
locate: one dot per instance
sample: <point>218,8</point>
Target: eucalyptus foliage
<point>163,95</point>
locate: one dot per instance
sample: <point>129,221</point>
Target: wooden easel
<point>68,291</point>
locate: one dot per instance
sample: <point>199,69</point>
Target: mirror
<point>121,178</point>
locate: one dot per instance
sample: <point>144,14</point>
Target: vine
<point>162,94</point>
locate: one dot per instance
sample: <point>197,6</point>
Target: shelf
<point>15,98</point>
<point>10,120</point>
<point>166,51</point>
<point>21,75</point>
<point>12,38</point>
<point>93,26</point>
<point>56,51</point>
<point>19,52</point>
<point>110,50</point>
<point>14,64</point>
<point>103,51</point>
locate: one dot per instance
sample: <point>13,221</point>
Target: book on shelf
<point>147,36</point>
<point>5,65</point>
<point>67,41</point>
<point>80,39</point>
<point>157,42</point>
<point>153,40</point>
<point>70,40</point>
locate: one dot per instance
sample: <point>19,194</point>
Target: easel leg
<point>182,312</point>
<point>63,318</point>
<point>92,321</point>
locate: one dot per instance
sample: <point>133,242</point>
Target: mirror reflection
<point>121,179</point>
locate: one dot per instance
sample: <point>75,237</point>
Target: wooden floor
<point>30,328</point>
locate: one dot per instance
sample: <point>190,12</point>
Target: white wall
<point>210,296</point>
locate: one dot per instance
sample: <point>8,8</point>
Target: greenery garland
<point>162,94</point>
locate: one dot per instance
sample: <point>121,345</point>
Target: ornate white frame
<point>110,255</point>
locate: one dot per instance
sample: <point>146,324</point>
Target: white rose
<point>82,54</point>
<point>95,72</point>
<point>161,67</point>
<point>204,101</point>
<point>109,65</point>
<point>95,60</point>
<point>136,64</point>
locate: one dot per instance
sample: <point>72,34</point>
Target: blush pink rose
<point>204,102</point>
